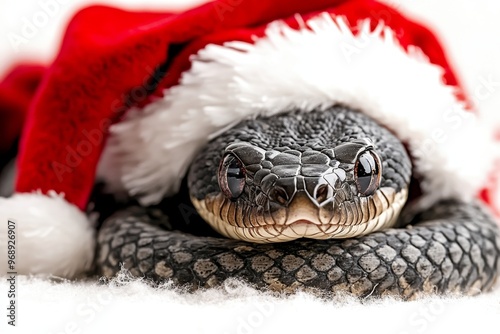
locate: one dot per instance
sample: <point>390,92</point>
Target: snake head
<point>268,188</point>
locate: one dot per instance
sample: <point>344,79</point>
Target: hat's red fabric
<point>16,92</point>
<point>104,68</point>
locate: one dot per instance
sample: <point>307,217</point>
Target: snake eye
<point>367,173</point>
<point>231,177</point>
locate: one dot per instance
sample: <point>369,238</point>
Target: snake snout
<point>284,195</point>
<point>313,199</point>
<point>319,191</point>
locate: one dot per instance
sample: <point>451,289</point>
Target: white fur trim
<point>309,68</point>
<point>53,236</point>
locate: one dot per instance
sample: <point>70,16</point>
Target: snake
<point>320,201</point>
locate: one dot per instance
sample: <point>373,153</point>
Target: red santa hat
<point>137,94</point>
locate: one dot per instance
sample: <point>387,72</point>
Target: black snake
<point>304,178</point>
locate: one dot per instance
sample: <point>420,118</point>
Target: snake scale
<point>311,201</point>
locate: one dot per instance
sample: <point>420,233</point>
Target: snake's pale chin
<point>357,218</point>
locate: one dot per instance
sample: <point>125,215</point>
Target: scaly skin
<point>451,247</point>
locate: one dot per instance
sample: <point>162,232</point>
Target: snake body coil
<point>323,175</point>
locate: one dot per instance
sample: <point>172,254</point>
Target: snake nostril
<point>279,195</point>
<point>322,193</point>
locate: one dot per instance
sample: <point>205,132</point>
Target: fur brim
<point>317,66</point>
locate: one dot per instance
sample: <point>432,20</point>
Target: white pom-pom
<point>52,236</point>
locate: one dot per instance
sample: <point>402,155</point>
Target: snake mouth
<point>303,218</point>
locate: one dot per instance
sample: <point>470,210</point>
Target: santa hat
<point>150,89</point>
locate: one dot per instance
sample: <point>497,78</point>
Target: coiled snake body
<point>309,201</point>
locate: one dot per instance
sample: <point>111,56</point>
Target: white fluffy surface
<point>52,236</point>
<point>133,307</point>
<point>317,66</point>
